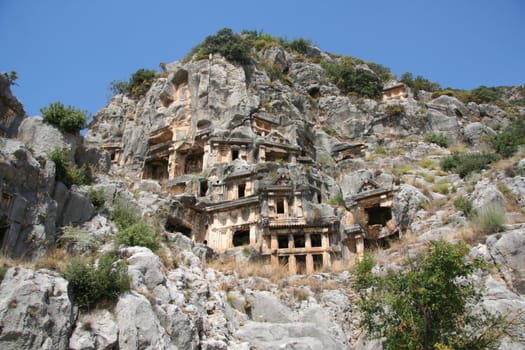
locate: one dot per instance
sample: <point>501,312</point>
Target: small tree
<point>69,119</point>
<point>67,172</point>
<point>91,282</point>
<point>432,305</point>
<point>230,45</point>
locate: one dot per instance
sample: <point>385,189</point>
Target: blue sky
<point>70,50</point>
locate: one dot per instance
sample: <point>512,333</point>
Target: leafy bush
<point>132,229</point>
<point>508,141</point>
<point>485,94</point>
<point>68,118</point>
<point>351,80</point>
<point>465,205</point>
<point>434,304</point>
<point>384,73</point>
<point>394,110</point>
<point>299,45</point>
<point>67,172</point>
<point>139,234</point>
<point>418,83</point>
<point>230,45</point>
<point>12,77</point>
<point>97,198</point>
<point>138,85</point>
<point>337,200</point>
<point>466,163</point>
<point>124,214</point>
<point>439,140</point>
<point>91,283</point>
<point>489,219</point>
<point>260,40</point>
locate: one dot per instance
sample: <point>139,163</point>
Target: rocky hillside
<point>237,191</point>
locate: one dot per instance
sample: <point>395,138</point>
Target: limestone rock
<point>487,194</point>
<point>406,204</point>
<point>77,207</point>
<point>11,110</point>
<point>43,138</point>
<point>27,212</point>
<point>288,336</point>
<point>507,250</point>
<point>35,310</point>
<point>473,133</point>
<point>144,268</point>
<point>96,330</point>
<point>138,326</point>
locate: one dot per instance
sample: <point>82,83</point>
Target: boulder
<point>96,330</point>
<point>35,311</point>
<point>77,208</point>
<point>473,133</point>
<point>508,251</point>
<point>144,268</point>
<point>295,335</point>
<point>487,194</point>
<point>407,202</point>
<point>139,327</point>
<point>43,138</point>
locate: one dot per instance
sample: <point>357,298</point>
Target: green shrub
<point>230,45</point>
<point>466,163</point>
<point>508,141</point>
<point>138,85</point>
<point>67,172</point>
<point>439,140</point>
<point>97,198</point>
<point>139,234</point>
<point>384,73</point>
<point>260,40</point>
<point>394,110</point>
<point>299,45</point>
<point>433,304</point>
<point>380,150</point>
<point>68,118</point>
<point>465,205</point>
<point>91,283</point>
<point>337,200</point>
<point>351,80</point>
<point>418,83</point>
<point>441,187</point>
<point>489,219</point>
<point>125,214</point>
<point>485,94</point>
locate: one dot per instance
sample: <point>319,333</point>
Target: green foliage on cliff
<point>508,141</point>
<point>68,118</point>
<point>230,45</point>
<point>429,306</point>
<point>138,85</point>
<point>91,282</point>
<point>66,171</point>
<point>351,80</point>
<point>466,163</point>
<point>418,83</point>
<point>132,229</point>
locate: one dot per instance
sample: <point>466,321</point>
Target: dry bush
<point>470,236</point>
<point>54,259</point>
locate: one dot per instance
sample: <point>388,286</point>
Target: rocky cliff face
<point>240,164</point>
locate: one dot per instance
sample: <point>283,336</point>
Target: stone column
<point>309,264</point>
<point>359,246</point>
<point>274,245</point>
<point>262,154</point>
<point>292,264</point>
